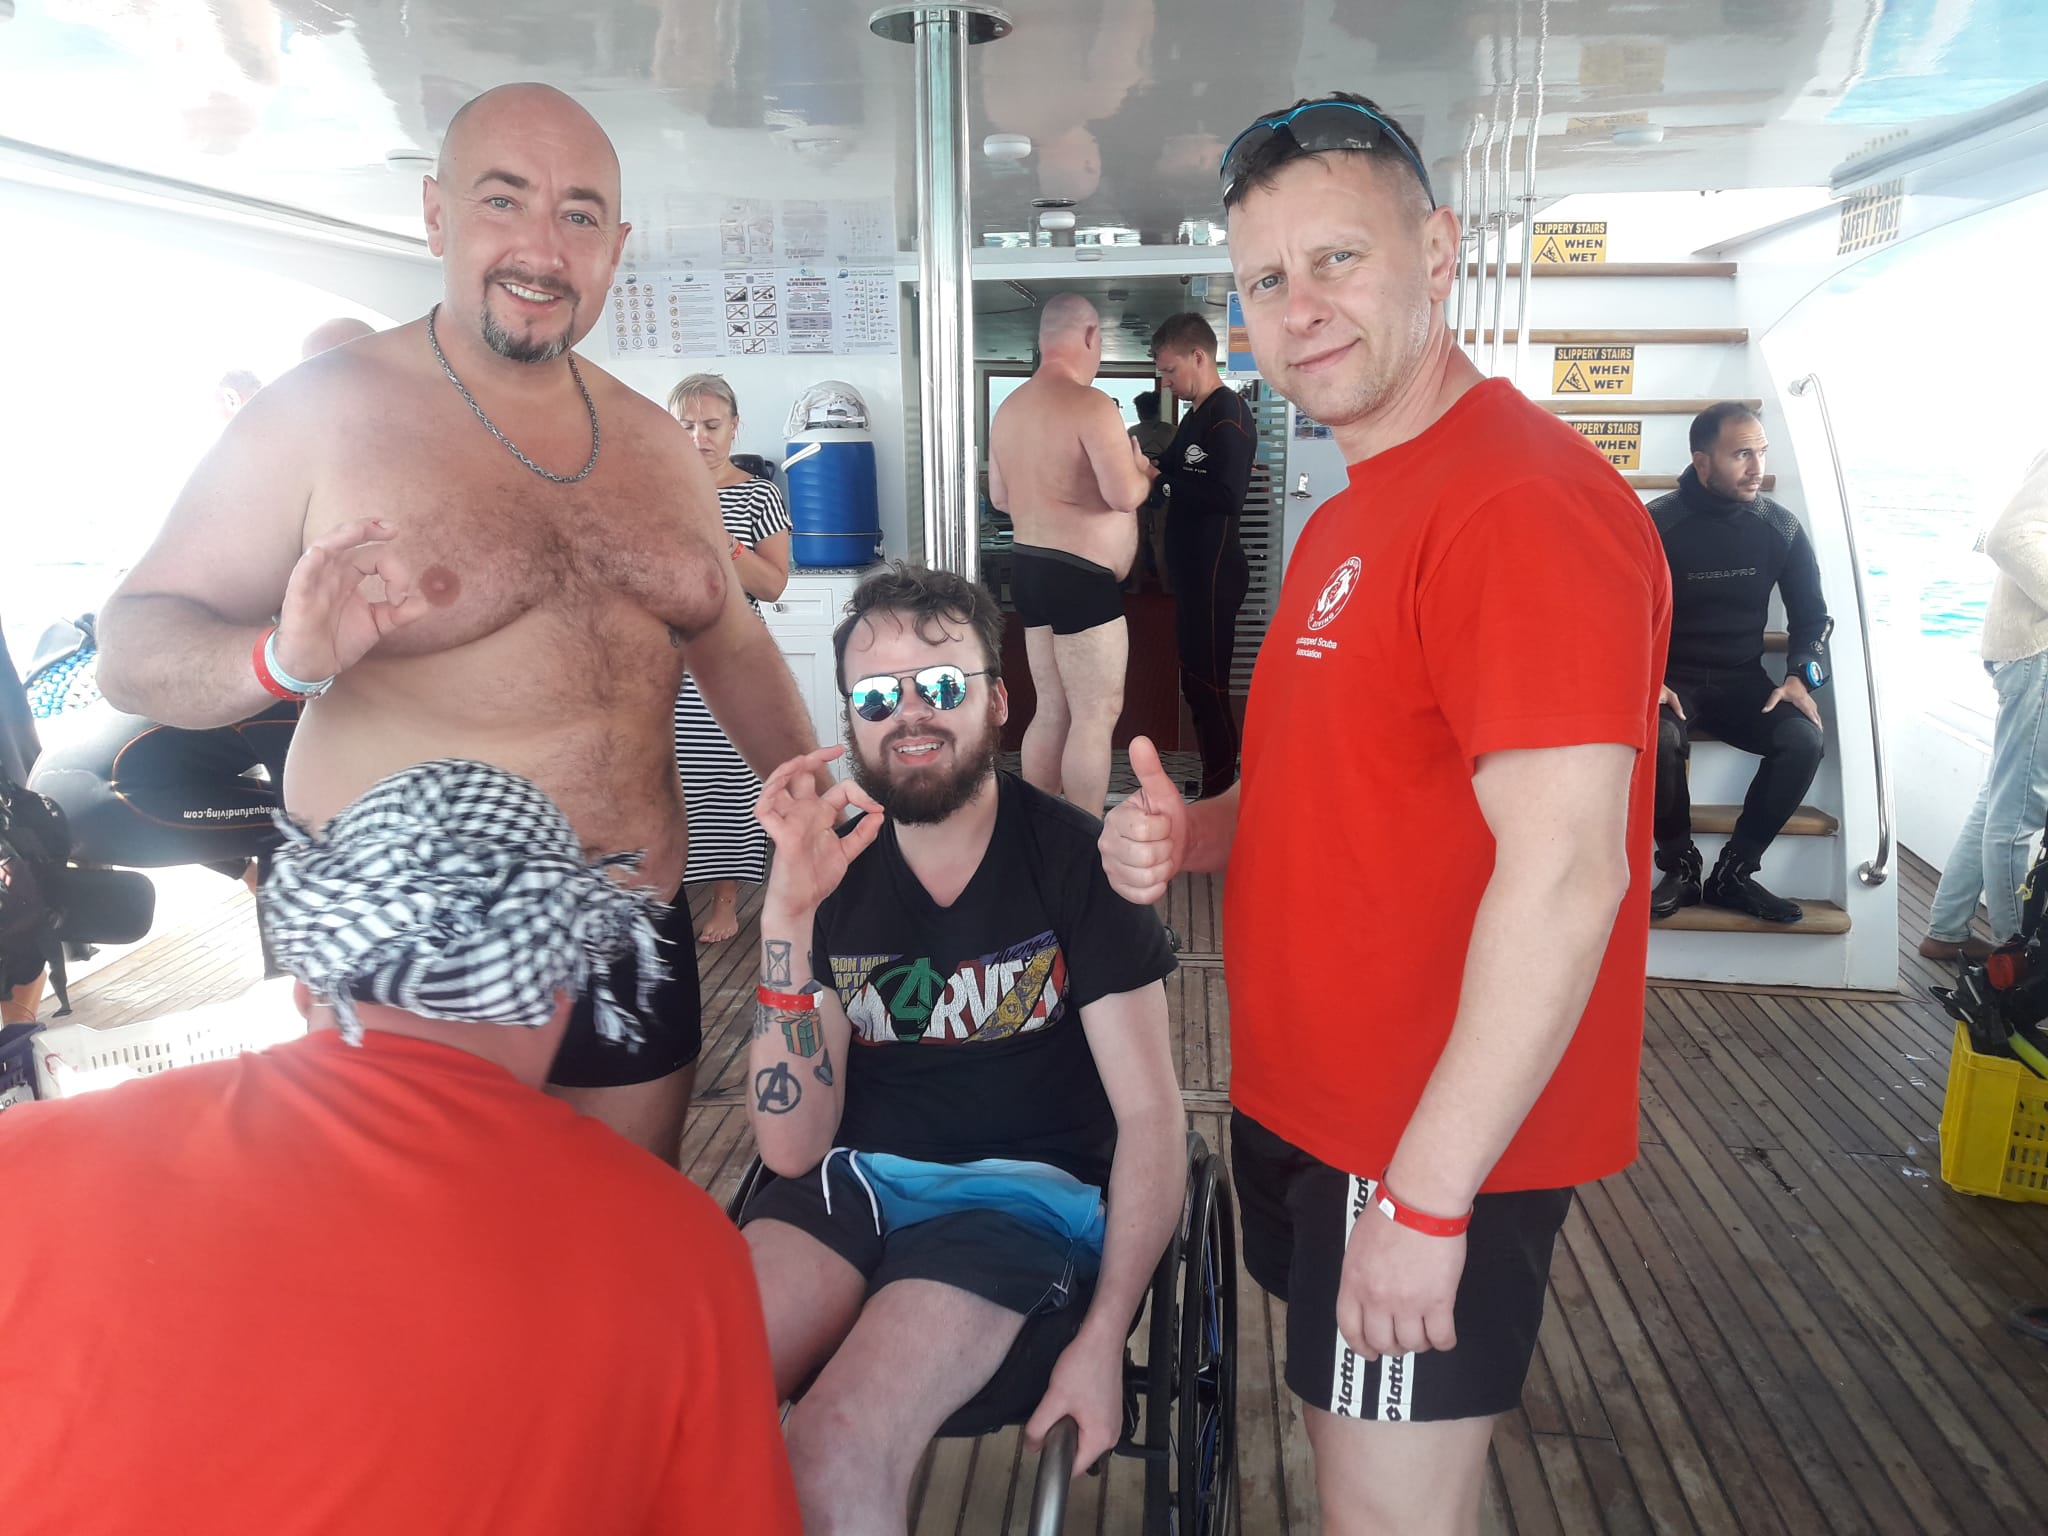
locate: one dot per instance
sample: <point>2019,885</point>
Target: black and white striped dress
<point>719,789</point>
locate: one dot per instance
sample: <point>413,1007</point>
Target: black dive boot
<point>1733,885</point>
<point>1680,886</point>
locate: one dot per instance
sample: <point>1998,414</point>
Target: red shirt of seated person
<point>374,1280</point>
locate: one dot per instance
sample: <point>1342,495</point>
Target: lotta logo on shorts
<point>1336,593</point>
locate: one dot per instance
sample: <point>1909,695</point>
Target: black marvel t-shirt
<point>967,1038</point>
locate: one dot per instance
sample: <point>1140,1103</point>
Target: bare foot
<point>723,923</point>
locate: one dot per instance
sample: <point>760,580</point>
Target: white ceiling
<point>1128,102</point>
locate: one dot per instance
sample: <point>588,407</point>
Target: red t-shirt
<point>380,1290</point>
<point>1489,585</point>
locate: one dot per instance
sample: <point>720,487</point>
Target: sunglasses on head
<point>1318,126</point>
<point>942,687</point>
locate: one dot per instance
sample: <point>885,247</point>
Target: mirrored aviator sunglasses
<point>1319,126</point>
<point>876,698</point>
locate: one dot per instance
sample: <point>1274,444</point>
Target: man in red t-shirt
<point>374,1280</point>
<point>1436,912</point>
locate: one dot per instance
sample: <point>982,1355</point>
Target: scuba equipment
<point>2002,1000</point>
<point>47,902</point>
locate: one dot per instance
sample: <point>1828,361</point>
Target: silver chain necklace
<point>574,373</point>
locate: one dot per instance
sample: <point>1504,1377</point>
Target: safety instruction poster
<point>706,232</point>
<point>1620,441</point>
<point>1575,244</point>
<point>753,312</point>
<point>1593,371</point>
<point>635,316</point>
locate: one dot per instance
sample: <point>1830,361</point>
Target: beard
<point>522,349</point>
<point>920,798</point>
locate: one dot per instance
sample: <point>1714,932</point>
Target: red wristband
<point>791,1002</point>
<point>264,675</point>
<point>1390,1205</point>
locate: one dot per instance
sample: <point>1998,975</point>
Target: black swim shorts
<point>1053,588</point>
<point>1297,1215</point>
<point>991,1254</point>
<point>671,1027</point>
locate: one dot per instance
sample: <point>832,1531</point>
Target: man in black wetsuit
<point>1728,545</point>
<point>1205,473</point>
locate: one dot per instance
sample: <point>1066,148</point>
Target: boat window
<point>132,339</point>
<point>1924,352</point>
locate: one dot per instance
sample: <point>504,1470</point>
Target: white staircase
<point>1691,349</point>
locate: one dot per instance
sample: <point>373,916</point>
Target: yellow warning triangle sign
<point>1549,250</point>
<point>1573,382</point>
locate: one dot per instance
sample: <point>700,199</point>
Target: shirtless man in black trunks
<point>529,606</point>
<point>1060,465</point>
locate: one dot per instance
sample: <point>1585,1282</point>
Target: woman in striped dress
<point>726,844</point>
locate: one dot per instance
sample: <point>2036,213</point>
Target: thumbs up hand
<point>1145,839</point>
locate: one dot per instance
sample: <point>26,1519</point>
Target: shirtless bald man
<point>1060,465</point>
<point>338,332</point>
<point>532,605</point>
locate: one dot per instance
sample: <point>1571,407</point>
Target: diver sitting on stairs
<point>1728,545</point>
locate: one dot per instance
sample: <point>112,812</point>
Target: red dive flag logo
<point>1336,593</point>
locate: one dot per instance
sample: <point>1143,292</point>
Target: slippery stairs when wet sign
<point>1593,371</point>
<point>1574,244</point>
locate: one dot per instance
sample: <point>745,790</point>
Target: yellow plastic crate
<point>1994,1126</point>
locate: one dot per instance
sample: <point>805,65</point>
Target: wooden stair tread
<point>1620,407</point>
<point>1644,337</point>
<point>1670,482</point>
<point>1612,269</point>
<point>1807,821</point>
<point>1822,917</point>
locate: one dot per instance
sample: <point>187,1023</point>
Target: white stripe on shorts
<point>1396,1396</point>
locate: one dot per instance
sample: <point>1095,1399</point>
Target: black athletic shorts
<point>1052,588</point>
<point>991,1254</point>
<point>671,1028</point>
<point>1297,1215</point>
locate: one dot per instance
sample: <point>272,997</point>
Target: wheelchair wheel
<point>1205,1398</point>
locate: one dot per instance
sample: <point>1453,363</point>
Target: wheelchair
<point>1180,1393</point>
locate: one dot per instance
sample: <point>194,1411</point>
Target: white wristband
<point>284,679</point>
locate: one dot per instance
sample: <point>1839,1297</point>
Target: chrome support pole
<point>940,35</point>
<point>1480,228</point>
<point>1464,236</point>
<point>1529,201</point>
<point>1877,870</point>
<point>1507,158</point>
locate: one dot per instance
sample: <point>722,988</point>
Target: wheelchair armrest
<point>1055,1472</point>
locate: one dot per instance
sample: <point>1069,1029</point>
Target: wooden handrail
<point>1624,406</point>
<point>1670,482</point>
<point>1731,336</point>
<point>1611,269</point>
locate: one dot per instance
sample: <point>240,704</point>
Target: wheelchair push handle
<point>1055,1471</point>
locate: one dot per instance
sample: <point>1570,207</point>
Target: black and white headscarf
<point>455,890</point>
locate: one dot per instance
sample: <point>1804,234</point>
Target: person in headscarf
<point>373,1279</point>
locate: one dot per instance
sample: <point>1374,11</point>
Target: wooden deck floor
<point>1779,1320</point>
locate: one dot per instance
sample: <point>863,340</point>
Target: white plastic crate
<point>75,1058</point>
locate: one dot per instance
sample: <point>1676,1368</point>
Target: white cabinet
<point>802,621</point>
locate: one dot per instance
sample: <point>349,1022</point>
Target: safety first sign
<point>1593,371</point>
<point>1621,441</point>
<point>1576,244</point>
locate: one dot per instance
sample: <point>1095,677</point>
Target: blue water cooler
<point>834,514</point>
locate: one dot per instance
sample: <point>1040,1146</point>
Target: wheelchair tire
<point>1205,1397</point>
<point>1162,1341</point>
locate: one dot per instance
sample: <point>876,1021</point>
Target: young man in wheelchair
<point>960,1074</point>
